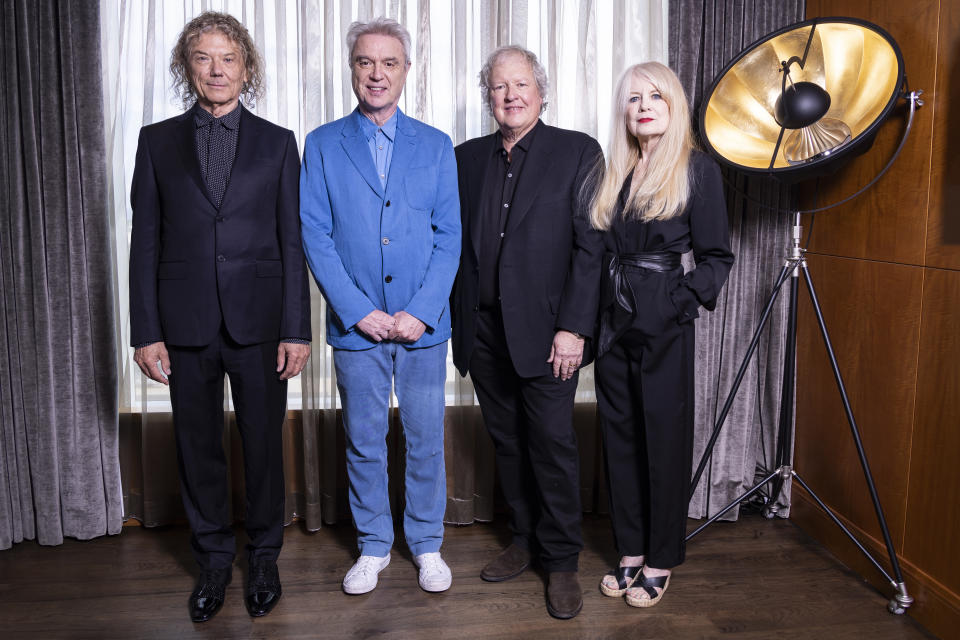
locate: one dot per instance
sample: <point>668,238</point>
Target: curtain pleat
<point>704,36</point>
<point>59,467</point>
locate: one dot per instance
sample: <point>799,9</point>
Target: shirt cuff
<point>295,340</point>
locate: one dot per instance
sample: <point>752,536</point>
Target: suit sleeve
<point>144,248</point>
<point>295,315</point>
<point>710,239</point>
<point>581,295</point>
<point>431,299</point>
<point>316,216</point>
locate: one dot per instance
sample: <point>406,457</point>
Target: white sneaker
<point>362,577</point>
<point>434,573</point>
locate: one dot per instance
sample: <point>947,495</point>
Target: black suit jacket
<point>193,267</point>
<point>550,260</point>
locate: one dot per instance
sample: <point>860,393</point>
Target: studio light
<point>796,104</point>
<point>798,101</point>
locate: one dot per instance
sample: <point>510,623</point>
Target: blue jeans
<point>364,379</point>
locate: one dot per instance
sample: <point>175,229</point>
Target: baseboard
<point>935,606</point>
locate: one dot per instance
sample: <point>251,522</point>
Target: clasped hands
<point>401,326</point>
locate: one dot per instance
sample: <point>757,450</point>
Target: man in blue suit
<point>380,219</point>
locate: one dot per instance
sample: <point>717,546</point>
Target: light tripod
<point>795,265</point>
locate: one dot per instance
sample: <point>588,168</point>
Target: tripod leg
<point>895,564</point>
<point>732,504</point>
<point>785,423</point>
<point>728,404</point>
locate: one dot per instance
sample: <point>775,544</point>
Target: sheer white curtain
<point>584,45</point>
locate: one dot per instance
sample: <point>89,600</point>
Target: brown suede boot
<point>511,562</point>
<point>564,598</point>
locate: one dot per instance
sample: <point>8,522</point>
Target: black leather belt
<point>617,303</point>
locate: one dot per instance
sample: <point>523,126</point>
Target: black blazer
<point>550,257</point>
<point>193,266</point>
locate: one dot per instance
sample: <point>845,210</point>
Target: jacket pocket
<point>269,268</point>
<point>420,186</point>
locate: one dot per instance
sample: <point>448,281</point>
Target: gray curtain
<point>704,36</point>
<point>59,470</point>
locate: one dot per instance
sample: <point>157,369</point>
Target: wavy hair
<point>539,73</point>
<point>232,28</point>
<point>663,190</point>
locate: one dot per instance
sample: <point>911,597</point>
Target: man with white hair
<point>525,305</point>
<point>381,229</point>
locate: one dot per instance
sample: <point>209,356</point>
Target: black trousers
<point>645,398</point>
<point>259,397</point>
<point>531,423</point>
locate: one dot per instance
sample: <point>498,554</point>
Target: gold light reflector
<point>857,63</point>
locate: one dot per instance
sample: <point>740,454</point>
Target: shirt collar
<point>524,143</point>
<point>202,117</point>
<point>369,127</point>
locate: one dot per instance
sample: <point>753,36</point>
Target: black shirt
<point>499,187</point>
<point>216,140</point>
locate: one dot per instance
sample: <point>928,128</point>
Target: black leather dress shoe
<point>263,588</point>
<point>207,596</point>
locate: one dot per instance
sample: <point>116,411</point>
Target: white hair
<point>379,26</point>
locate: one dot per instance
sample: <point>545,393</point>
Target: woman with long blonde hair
<point>657,198</point>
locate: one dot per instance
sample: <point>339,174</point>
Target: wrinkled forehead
<point>512,65</point>
<point>382,46</point>
<point>214,37</point>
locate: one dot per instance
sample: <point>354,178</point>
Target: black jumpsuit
<point>645,389</point>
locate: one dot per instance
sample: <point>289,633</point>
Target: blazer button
<point>219,218</point>
<point>388,203</point>
<point>476,308</point>
<point>221,259</point>
<point>388,279</point>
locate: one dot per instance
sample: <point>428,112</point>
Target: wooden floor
<point>750,579</point>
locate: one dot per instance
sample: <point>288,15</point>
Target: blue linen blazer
<point>393,249</point>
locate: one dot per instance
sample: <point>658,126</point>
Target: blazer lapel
<point>481,175</point>
<point>404,151</point>
<point>244,161</point>
<point>358,151</point>
<point>187,146</point>
<point>536,170</point>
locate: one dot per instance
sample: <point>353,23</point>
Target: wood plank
<point>872,311</point>
<point>943,229</point>
<point>935,606</point>
<point>749,579</point>
<point>933,528</point>
<point>888,222</point>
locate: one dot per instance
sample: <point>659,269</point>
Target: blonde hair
<point>664,189</point>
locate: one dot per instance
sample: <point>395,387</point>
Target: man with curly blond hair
<point>218,285</point>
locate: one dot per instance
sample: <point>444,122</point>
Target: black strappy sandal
<point>650,585</point>
<point>625,576</point>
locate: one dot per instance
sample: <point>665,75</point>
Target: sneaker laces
<point>431,564</point>
<point>365,566</point>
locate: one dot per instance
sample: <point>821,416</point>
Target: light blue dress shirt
<point>380,140</point>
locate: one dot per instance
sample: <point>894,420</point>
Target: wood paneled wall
<point>887,271</point>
